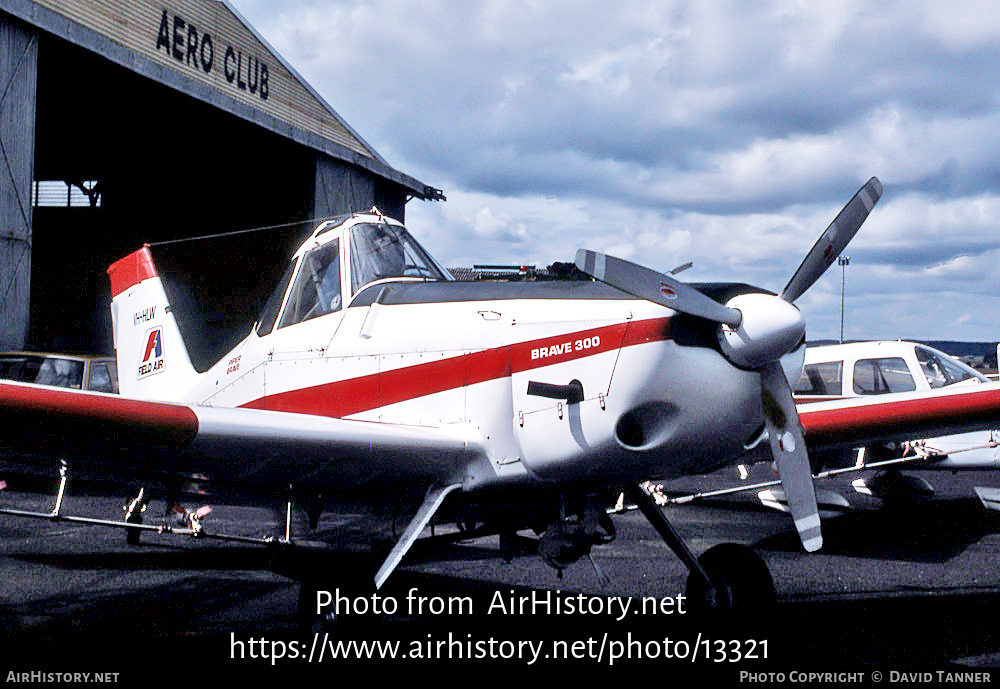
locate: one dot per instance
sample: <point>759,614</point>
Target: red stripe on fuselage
<point>355,395</point>
<point>820,398</point>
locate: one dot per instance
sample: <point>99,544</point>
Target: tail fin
<point>153,362</point>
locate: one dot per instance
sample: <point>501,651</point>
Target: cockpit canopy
<point>342,257</point>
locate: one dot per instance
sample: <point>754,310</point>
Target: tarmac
<point>897,587</point>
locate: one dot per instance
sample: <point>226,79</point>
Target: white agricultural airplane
<point>519,404</point>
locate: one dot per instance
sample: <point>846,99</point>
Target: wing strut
<point>432,501</point>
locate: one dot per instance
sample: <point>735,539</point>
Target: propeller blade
<point>788,447</point>
<point>833,240</point>
<point>658,288</point>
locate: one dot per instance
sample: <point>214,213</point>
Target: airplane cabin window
<point>821,379</point>
<point>113,372</point>
<point>20,368</point>
<point>381,251</point>
<point>61,372</point>
<point>941,371</point>
<point>316,290</point>
<point>882,376</point>
<point>100,379</point>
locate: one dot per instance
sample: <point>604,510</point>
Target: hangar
<point>125,122</point>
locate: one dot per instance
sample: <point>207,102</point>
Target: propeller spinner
<point>755,331</point>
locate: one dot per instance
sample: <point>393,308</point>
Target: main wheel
<point>740,581</point>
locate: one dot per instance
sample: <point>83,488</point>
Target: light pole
<point>843,262</point>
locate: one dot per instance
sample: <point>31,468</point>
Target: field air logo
<point>151,354</point>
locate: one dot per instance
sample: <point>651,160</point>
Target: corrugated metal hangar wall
<point>169,121</point>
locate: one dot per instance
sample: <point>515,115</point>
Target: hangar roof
<point>206,49</point>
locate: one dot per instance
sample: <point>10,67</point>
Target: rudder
<point>153,361</point>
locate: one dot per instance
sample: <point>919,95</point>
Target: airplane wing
<point>247,444</point>
<point>231,444</point>
<point>854,422</point>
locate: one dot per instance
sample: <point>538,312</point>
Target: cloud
<point>723,133</point>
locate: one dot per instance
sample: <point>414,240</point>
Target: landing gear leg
<point>728,576</point>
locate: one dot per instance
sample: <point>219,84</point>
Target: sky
<point>728,134</point>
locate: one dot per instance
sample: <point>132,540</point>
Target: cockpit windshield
<point>940,370</point>
<point>381,251</point>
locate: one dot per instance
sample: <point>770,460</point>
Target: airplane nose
<point>770,328</point>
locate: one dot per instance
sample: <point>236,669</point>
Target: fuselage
<point>449,353</point>
<point>562,381</point>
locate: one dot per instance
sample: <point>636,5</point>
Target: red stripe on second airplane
<point>928,416</point>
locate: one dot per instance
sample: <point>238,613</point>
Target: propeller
<point>755,331</point>
<point>833,240</point>
<point>654,286</point>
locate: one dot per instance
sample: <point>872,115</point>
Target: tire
<point>741,581</point>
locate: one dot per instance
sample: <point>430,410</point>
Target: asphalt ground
<point>893,589</point>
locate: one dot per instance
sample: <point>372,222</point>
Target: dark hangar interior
<point>178,121</point>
